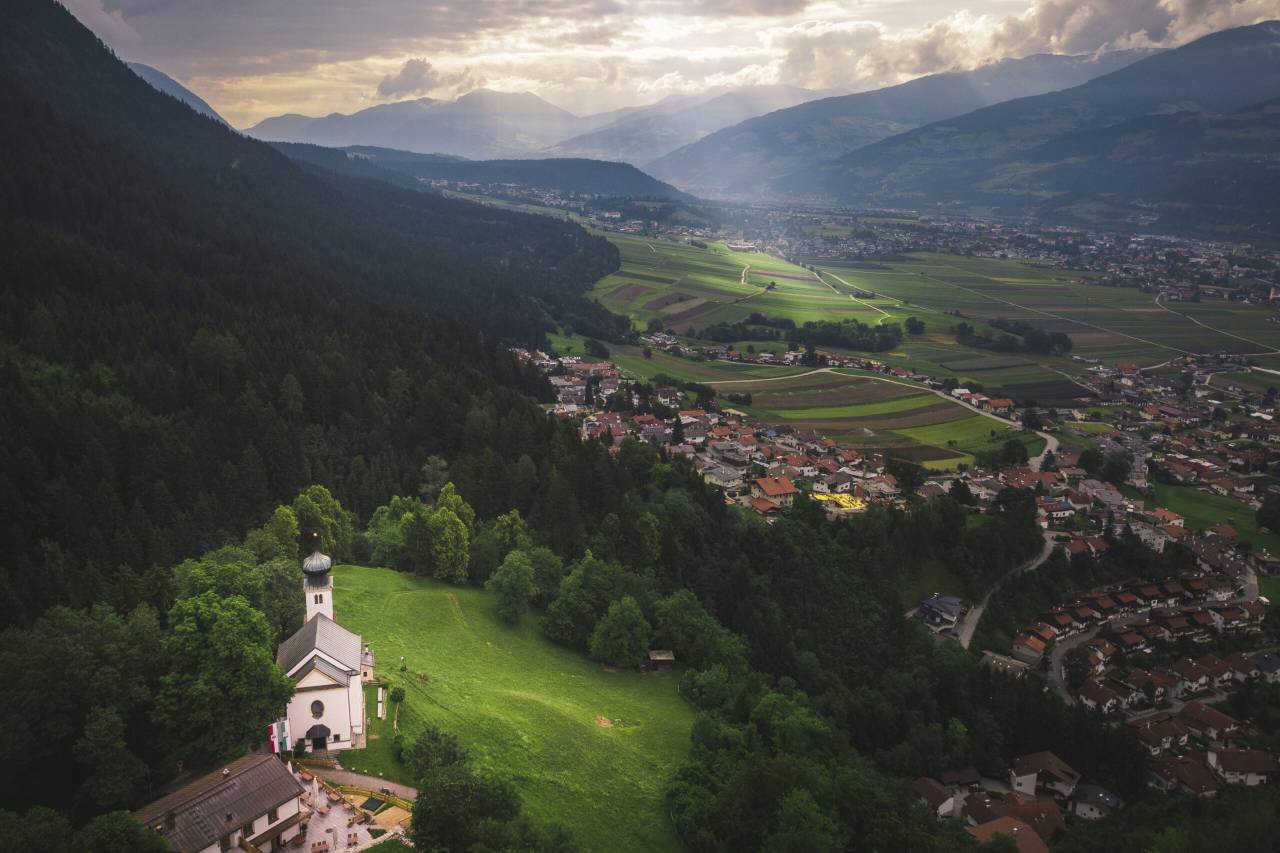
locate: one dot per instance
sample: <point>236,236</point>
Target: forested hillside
<point>564,174</point>
<point>193,325</point>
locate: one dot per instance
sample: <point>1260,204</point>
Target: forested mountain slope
<point>169,86</point>
<point>1059,147</point>
<point>740,158</point>
<point>194,326</point>
<point>564,174</point>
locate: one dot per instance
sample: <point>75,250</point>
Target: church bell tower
<point>318,585</point>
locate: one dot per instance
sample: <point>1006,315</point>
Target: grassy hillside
<point>545,717</point>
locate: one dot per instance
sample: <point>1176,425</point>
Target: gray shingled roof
<point>200,810</point>
<point>1096,795</point>
<point>337,674</point>
<point>324,634</point>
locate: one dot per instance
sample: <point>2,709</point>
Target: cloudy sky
<point>256,58</point>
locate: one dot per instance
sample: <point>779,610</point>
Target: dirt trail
<point>850,295</point>
<point>1219,331</point>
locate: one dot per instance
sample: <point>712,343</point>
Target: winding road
<point>964,631</point>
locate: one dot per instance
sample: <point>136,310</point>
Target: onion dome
<point>317,563</point>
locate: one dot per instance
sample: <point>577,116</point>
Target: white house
<point>1093,802</point>
<point>941,800</point>
<point>253,799</point>
<point>1042,770</point>
<point>1248,767</point>
<point>328,666</point>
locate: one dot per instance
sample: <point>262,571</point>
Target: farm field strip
<point>855,410</point>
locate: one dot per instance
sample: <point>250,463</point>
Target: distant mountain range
<point>482,124</point>
<point>405,168</point>
<point>486,125</point>
<point>648,133</point>
<point>739,158</point>
<point>159,80</point>
<point>1151,143</point>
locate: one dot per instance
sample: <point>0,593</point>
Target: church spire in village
<point>319,584</point>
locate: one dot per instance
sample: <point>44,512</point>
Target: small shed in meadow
<point>661,660</point>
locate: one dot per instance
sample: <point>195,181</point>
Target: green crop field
<point>1203,509</point>
<point>1107,322</point>
<point>544,717</point>
<point>687,287</point>
<point>968,434</point>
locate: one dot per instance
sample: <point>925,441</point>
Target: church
<point>329,668</point>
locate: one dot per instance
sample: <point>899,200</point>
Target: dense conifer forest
<point>210,353</point>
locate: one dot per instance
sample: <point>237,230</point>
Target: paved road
<point>964,632</point>
<point>1061,648</point>
<point>348,777</point>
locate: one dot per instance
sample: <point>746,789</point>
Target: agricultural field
<point>1105,322</point>
<point>631,360</point>
<point>875,413</point>
<point>690,288</point>
<point>537,714</point>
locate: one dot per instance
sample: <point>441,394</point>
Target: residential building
<point>253,800</point>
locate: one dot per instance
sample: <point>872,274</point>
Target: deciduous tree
<point>513,584</point>
<point>621,637</point>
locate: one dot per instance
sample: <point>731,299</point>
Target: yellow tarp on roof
<point>841,500</point>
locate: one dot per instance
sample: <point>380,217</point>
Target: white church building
<point>329,668</point>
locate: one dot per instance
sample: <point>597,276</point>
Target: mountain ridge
<point>1016,157</point>
<point>164,83</point>
<point>650,133</point>
<point>737,158</point>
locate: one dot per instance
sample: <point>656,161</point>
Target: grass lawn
<point>377,759</point>
<point>1202,509</point>
<point>1269,588</point>
<point>589,749</point>
<point>933,577</point>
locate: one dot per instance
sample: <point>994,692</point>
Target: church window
<point>317,709</point>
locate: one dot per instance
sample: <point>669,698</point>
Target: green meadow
<point>590,749</point>
<point>1204,509</point>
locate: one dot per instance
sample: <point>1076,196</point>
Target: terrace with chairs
<point>333,822</point>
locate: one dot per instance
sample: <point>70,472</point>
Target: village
<point>1118,649</point>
